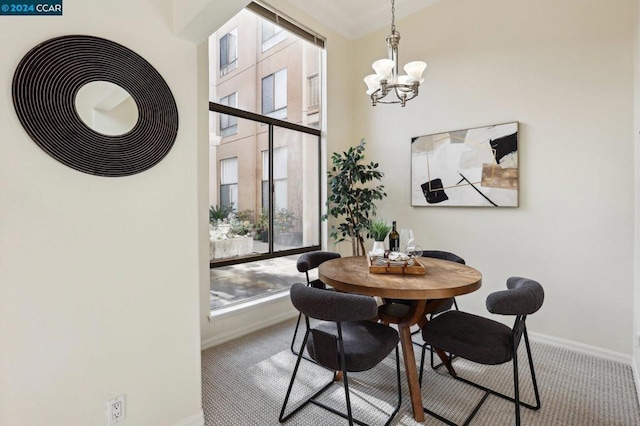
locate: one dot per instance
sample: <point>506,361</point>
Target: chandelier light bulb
<point>415,69</point>
<point>383,68</point>
<point>372,83</point>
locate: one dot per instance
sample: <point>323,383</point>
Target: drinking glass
<point>414,250</point>
<point>406,238</point>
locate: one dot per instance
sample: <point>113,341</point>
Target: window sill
<point>234,310</point>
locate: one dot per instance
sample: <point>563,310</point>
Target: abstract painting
<point>472,167</point>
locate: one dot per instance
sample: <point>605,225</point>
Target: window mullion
<point>271,191</point>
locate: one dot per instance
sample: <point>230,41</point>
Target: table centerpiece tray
<point>382,265</point>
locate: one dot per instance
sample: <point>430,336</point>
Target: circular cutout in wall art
<point>45,86</point>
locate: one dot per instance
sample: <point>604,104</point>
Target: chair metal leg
<point>349,416</point>
<point>533,371</point>
<point>293,342</point>
<point>282,418</point>
<point>507,397</point>
<point>424,349</point>
<point>516,399</point>
<point>399,388</point>
<point>516,387</point>
<point>343,365</point>
<point>295,333</point>
<point>435,367</point>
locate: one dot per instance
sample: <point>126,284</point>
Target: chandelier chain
<point>393,16</point>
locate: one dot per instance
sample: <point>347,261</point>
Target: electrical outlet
<point>115,410</point>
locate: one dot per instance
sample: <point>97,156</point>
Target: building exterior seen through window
<point>264,150</point>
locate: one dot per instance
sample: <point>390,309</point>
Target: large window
<point>264,152</point>
<point>229,123</point>
<point>229,52</point>
<point>274,94</point>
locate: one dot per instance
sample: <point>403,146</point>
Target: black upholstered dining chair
<point>489,342</point>
<point>306,262</point>
<point>343,340</point>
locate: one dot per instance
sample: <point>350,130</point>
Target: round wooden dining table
<point>443,279</point>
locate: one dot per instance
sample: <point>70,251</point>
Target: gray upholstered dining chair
<point>489,342</point>
<point>343,340</point>
<point>306,262</point>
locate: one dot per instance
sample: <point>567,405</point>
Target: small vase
<point>378,246</point>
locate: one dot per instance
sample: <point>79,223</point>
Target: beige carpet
<point>244,383</point>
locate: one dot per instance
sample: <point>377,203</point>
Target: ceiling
<point>356,18</point>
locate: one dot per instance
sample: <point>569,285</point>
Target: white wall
<point>564,70</point>
<point>99,291</point>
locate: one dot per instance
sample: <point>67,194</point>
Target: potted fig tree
<point>354,187</point>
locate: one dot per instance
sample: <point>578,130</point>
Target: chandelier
<point>386,80</point>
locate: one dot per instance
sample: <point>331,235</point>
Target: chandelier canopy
<point>386,80</point>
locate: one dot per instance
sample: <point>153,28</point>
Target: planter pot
<point>264,236</point>
<point>223,249</point>
<point>378,246</point>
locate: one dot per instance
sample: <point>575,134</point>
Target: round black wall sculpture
<point>45,85</point>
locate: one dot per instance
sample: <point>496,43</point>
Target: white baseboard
<point>195,420</point>
<point>582,348</point>
<point>636,377</point>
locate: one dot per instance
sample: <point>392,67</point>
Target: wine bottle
<point>394,239</point>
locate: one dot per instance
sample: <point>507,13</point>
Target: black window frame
<point>272,123</point>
